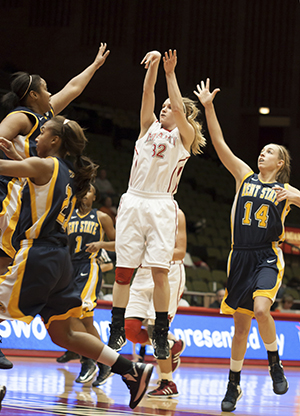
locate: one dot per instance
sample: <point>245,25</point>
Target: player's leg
<point>2,394</point>
<point>177,281</point>
<point>129,245</point>
<point>267,330</point>
<point>135,375</point>
<point>5,261</point>
<point>89,367</point>
<point>121,289</point>
<point>242,325</point>
<point>161,299</point>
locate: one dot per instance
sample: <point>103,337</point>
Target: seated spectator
<point>219,297</point>
<point>103,185</point>
<point>109,208</point>
<point>286,304</point>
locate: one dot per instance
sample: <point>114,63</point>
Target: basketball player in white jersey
<point>140,312</point>
<point>147,214</point>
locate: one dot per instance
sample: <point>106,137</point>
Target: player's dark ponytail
<point>21,85</point>
<point>86,172</point>
<point>73,144</point>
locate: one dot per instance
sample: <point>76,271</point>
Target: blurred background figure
<point>103,185</point>
<point>219,297</point>
<point>286,304</point>
<point>108,208</point>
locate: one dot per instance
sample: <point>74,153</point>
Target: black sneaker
<point>103,375</point>
<point>280,383</point>
<point>5,364</point>
<point>117,337</point>
<point>2,394</point>
<point>137,380</point>
<point>233,394</point>
<point>88,370</point>
<point>68,356</point>
<point>160,343</point>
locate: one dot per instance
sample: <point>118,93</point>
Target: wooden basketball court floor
<point>41,386</point>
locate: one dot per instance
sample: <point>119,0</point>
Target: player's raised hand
<point>203,93</point>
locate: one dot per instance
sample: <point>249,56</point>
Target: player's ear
<point>280,163</point>
<point>56,141</point>
<point>33,94</point>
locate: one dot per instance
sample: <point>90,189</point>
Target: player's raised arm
<point>236,166</point>
<point>151,61</point>
<point>77,84</point>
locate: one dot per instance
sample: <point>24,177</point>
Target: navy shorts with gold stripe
<point>39,282</point>
<point>87,278</point>
<point>251,273</point>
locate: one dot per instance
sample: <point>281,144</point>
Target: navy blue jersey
<point>46,209</point>
<point>26,145</point>
<point>257,219</point>
<point>82,230</point>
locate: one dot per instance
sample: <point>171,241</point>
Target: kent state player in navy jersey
<point>40,278</point>
<point>255,263</point>
<point>30,105</point>
<point>86,229</point>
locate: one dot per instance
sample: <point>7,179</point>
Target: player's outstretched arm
<point>77,84</point>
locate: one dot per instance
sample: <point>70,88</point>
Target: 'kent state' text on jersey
<point>82,230</point>
<point>257,218</point>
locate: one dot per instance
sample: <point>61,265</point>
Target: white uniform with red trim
<point>140,303</point>
<point>147,213</point>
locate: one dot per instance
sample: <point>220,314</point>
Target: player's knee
<point>240,332</point>
<point>134,331</point>
<point>123,275</point>
<point>261,314</point>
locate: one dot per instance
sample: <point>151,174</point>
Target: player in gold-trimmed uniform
<point>255,264</point>
<point>40,279</point>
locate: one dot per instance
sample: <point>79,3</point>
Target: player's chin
<point>39,153</point>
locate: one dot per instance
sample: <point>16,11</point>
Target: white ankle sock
<point>166,376</point>
<point>108,356</point>
<point>271,347</point>
<point>236,366</point>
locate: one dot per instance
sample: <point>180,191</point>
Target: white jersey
<point>158,162</point>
